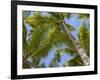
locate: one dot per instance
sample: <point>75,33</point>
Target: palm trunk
<point>79,49</point>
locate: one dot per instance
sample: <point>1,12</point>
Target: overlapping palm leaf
<point>46,33</point>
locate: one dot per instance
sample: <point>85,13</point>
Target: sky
<point>75,22</point>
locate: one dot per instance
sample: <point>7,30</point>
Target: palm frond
<point>67,51</point>
<point>83,16</point>
<point>70,27</point>
<point>83,36</point>
<point>76,61</point>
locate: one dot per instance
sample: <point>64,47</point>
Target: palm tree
<point>80,50</point>
<point>40,43</point>
<point>83,36</point>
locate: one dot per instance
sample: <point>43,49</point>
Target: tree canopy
<point>47,33</point>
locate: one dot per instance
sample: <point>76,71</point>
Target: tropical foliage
<point>84,37</point>
<point>47,35</point>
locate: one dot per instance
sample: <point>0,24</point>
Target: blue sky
<point>75,22</point>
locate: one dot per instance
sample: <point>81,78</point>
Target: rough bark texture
<point>79,49</point>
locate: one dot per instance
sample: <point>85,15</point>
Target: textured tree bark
<point>79,49</point>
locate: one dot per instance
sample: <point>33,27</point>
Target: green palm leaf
<point>76,61</point>
<point>83,36</point>
<point>68,51</point>
<point>47,31</point>
<point>70,27</point>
